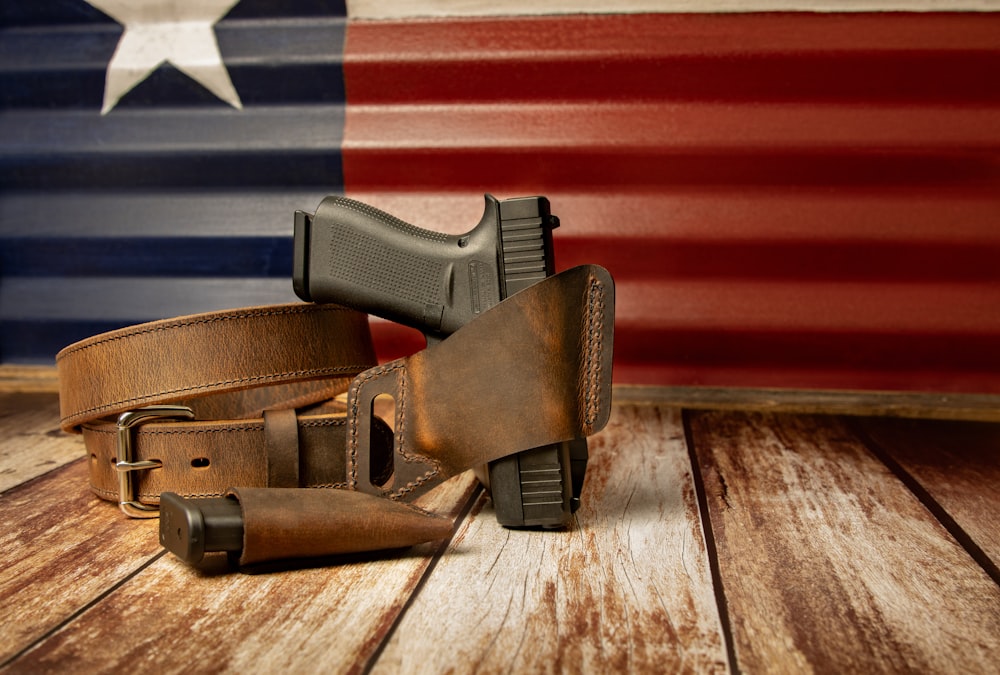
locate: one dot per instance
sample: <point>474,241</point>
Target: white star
<point>157,31</point>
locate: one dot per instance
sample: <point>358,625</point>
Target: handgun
<point>353,254</point>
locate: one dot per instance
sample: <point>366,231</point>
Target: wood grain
<point>60,549</point>
<point>982,407</point>
<point>958,465</point>
<point>825,559</point>
<point>828,562</point>
<point>628,588</point>
<point>31,442</point>
<point>21,379</point>
<point>172,618</point>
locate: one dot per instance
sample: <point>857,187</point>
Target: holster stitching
<point>352,440</point>
<point>423,459</point>
<point>399,446</point>
<point>592,367</point>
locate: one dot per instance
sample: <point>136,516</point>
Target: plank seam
<point>936,509</point>
<point>34,479</point>
<point>82,610</point>
<point>710,547</point>
<point>477,493</point>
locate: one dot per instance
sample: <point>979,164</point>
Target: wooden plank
<point>828,562</point>
<point>957,468</point>
<point>22,379</point>
<point>60,549</point>
<point>32,443</point>
<point>173,618</point>
<point>626,589</point>
<point>982,407</point>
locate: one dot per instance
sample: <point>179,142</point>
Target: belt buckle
<point>128,501</point>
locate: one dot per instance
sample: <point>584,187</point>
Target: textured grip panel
<point>375,251</point>
<point>387,219</point>
<point>368,262</point>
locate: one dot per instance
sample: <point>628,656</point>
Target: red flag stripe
<point>786,200</point>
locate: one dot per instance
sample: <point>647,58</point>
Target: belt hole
<point>200,462</point>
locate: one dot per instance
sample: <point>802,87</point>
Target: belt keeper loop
<point>281,441</point>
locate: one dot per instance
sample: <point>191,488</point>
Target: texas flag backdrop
<point>794,200</point>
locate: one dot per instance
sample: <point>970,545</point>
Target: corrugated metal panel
<point>174,202</point>
<point>785,200</point>
<point>400,9</point>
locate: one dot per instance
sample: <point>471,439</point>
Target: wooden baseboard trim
<point>23,379</point>
<point>974,407</point>
<point>977,407</point>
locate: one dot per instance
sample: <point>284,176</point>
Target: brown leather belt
<point>228,368</point>
<point>262,396</point>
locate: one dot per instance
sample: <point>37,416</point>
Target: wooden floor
<point>709,541</point>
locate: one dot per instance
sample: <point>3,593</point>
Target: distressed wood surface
<point>957,469</point>
<point>828,563</point>
<point>24,379</point>
<point>171,617</point>
<point>61,548</point>
<point>32,443</point>
<point>627,589</point>
<point>831,544</point>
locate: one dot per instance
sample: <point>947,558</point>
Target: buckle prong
<point>128,500</point>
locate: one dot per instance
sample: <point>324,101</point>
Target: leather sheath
<point>302,523</point>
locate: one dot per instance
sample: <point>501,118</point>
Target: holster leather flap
<point>533,370</point>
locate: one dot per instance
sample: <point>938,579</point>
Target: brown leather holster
<point>283,397</point>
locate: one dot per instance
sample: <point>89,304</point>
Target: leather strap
<point>281,441</point>
<point>229,367</point>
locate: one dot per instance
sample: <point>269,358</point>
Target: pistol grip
<point>355,255</point>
